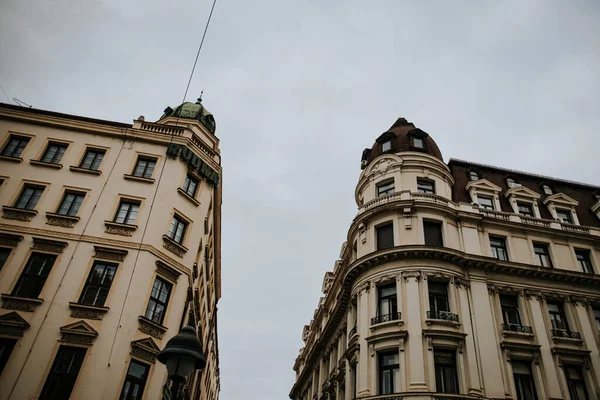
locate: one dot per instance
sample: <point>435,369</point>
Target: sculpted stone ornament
<point>119,229</point>
<point>52,246</point>
<point>173,247</point>
<point>12,324</point>
<point>20,303</point>
<point>108,253</point>
<point>64,221</point>
<point>9,240</point>
<point>87,312</point>
<point>167,271</point>
<point>151,328</point>
<point>18,214</point>
<point>146,349</point>
<point>79,333</point>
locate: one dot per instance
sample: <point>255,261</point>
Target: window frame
<point>172,233</point>
<point>429,240</point>
<point>549,189</point>
<point>73,202</point>
<point>565,213</point>
<point>512,182</point>
<point>560,313</point>
<point>537,255</point>
<point>381,242</point>
<point>392,369</point>
<point>572,382</point>
<point>440,372</point>
<point>36,188</point>
<point>7,345</point>
<point>4,251</point>
<point>389,301</point>
<point>422,182</point>
<point>98,152</point>
<point>126,219</point>
<point>20,139</point>
<point>474,173</point>
<point>164,283</point>
<point>142,382</point>
<point>497,250</point>
<point>525,205</point>
<point>185,188</point>
<point>529,379</point>
<point>150,161</point>
<point>58,155</point>
<point>492,206</point>
<point>586,263</point>
<point>98,286</point>
<point>387,185</point>
<point>510,310</point>
<point>386,146</point>
<point>71,378</point>
<point>31,289</point>
<point>438,297</point>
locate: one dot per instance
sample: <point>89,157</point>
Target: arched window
<point>547,189</point>
<point>474,175</point>
<point>511,182</point>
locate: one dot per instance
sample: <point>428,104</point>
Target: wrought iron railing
<point>517,328</point>
<point>565,334</point>
<point>444,315</point>
<point>352,331</point>
<point>386,317</point>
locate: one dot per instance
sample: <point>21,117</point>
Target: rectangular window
<point>63,374</point>
<point>433,233</point>
<point>33,277</point>
<point>6,347</point>
<point>542,255</point>
<point>387,309</point>
<point>446,378</point>
<point>557,316</point>
<point>510,310</point>
<point>15,146</point>
<point>438,297</point>
<point>523,377</point>
<point>98,284</point>
<point>385,236</point>
<point>4,253</point>
<point>385,188</point>
<point>70,204</point>
<point>425,186</point>
<point>418,143</point>
<point>486,202</point>
<point>127,212</point>
<point>389,369</point>
<point>29,197</point>
<point>583,258</point>
<point>386,146</point>
<point>576,383</point>
<point>190,185</point>
<point>177,229</point>
<point>144,167</point>
<point>564,216</point>
<point>498,246</point>
<point>159,298</point>
<point>54,153</point>
<point>135,381</point>
<point>525,209</point>
<point>92,159</point>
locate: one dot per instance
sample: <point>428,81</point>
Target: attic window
<point>418,142</point>
<point>474,175</point>
<point>386,146</point>
<point>547,189</point>
<point>511,182</point>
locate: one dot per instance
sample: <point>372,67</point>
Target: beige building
<point>109,241</point>
<point>458,281</point>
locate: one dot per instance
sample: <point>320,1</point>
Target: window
<point>486,202</point>
<point>135,381</point>
<point>385,236</point>
<point>54,153</point>
<point>34,275</point>
<point>510,311</point>
<point>564,216</point>
<point>418,143</point>
<point>389,369</point>
<point>425,186</point>
<point>190,185</point>
<point>525,209</point>
<point>446,378</point>
<point>354,377</point>
<point>575,383</point>
<point>511,182</point>
<point>542,255</point>
<point>30,195</point>
<point>433,233</point>
<point>159,297</point>
<point>144,167</point>
<point>98,284</point>
<point>557,316</point>
<point>523,380</point>
<point>15,146</point>
<point>177,229</point>
<point>474,176</point>
<point>438,297</point>
<point>547,189</point>
<point>6,347</point>
<point>596,311</point>
<point>387,309</point>
<point>63,374</point>
<point>92,159</point>
<point>583,258</point>
<point>4,253</point>
<point>386,146</point>
<point>70,204</point>
<point>498,246</point>
<point>385,188</point>
<point>127,212</point>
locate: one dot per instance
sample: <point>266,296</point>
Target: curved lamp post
<point>182,355</point>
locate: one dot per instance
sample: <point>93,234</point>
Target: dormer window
<point>418,143</point>
<point>525,209</point>
<point>474,176</point>
<point>417,139</point>
<point>547,190</point>
<point>564,216</point>
<point>512,183</point>
<point>386,146</point>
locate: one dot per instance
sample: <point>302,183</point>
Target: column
<point>588,332</point>
<point>416,365</point>
<point>470,355</point>
<point>363,332</point>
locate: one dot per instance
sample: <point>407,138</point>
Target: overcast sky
<point>298,89</point>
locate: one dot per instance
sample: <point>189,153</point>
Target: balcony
<point>353,331</point>
<point>386,318</point>
<point>564,334</point>
<point>442,315</point>
<point>518,328</point>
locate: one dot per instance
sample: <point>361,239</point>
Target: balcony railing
<point>443,315</point>
<point>561,333</point>
<point>517,328</point>
<point>386,317</point>
<point>352,331</point>
<point>535,221</point>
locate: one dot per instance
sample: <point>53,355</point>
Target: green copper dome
<point>193,111</point>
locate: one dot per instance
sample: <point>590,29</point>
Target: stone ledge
<point>174,247</point>
<point>188,197</point>
<point>10,240</point>
<point>87,311</point>
<point>66,221</point>
<point>85,170</point>
<point>11,302</point>
<point>138,179</point>
<point>41,163</point>
<point>151,328</point>
<point>117,228</point>
<point>18,214</point>
<point>11,159</point>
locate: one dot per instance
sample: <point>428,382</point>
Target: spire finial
<point>200,98</point>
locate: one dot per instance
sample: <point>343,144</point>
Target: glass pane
<point>66,204</point>
<point>76,205</point>
<point>521,368</point>
<point>133,211</point>
<point>25,197</point>
<point>150,169</point>
<point>87,160</point>
<point>418,143</point>
<point>137,370</point>
<point>50,153</point>
<point>97,161</point>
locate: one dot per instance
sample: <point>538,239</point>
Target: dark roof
<point>193,111</point>
<point>581,192</point>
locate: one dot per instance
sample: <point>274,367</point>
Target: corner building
<point>109,245</point>
<point>457,281</point>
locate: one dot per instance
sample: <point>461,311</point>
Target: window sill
<point>117,228</point>
<point>85,171</point>
<point>431,321</point>
<point>396,322</point>
<point>45,164</point>
<point>11,159</point>
<point>138,179</point>
<point>87,311</point>
<point>519,335</point>
<point>25,304</point>
<point>151,328</point>
<point>19,214</point>
<point>174,247</point>
<point>66,221</point>
<point>572,341</point>
<point>188,197</point>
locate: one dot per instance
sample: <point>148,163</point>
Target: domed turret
<point>195,111</point>
<point>402,136</point>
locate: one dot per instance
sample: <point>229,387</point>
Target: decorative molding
<point>407,212</point>
<point>146,349</point>
<point>469,223</point>
<point>20,303</point>
<point>41,163</point>
<point>151,328</point>
<point>518,234</point>
<point>116,228</point>
<point>492,289</point>
<point>438,275</point>
<point>78,333</point>
<point>12,324</point>
<point>534,293</point>
<point>51,246</point>
<point>87,311</point>
<point>558,240</point>
<point>75,168</point>
<point>18,213</point>
<point>9,240</point>
<point>362,232</point>
<point>461,282</point>
<point>416,275</point>
<point>509,289</point>
<point>167,271</point>
<point>64,221</point>
<point>174,247</point>
<point>575,300</point>
<point>138,179</point>
<point>110,254</point>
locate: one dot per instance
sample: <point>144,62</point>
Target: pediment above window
<point>12,324</point>
<point>561,198</point>
<point>522,192</point>
<point>483,185</point>
<point>79,332</point>
<point>146,349</point>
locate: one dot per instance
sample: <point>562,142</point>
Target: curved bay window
<point>389,369</point>
<point>438,297</point>
<point>387,307</point>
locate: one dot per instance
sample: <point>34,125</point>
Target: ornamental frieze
<point>110,254</point>
<point>151,328</point>
<point>87,312</point>
<point>145,349</point>
<point>6,239</point>
<point>52,246</point>
<point>18,214</point>
<point>167,271</point>
<point>78,333</point>
<point>61,220</point>
<point>12,324</point>
<point>20,303</point>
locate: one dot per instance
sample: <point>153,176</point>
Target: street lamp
<point>182,355</point>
